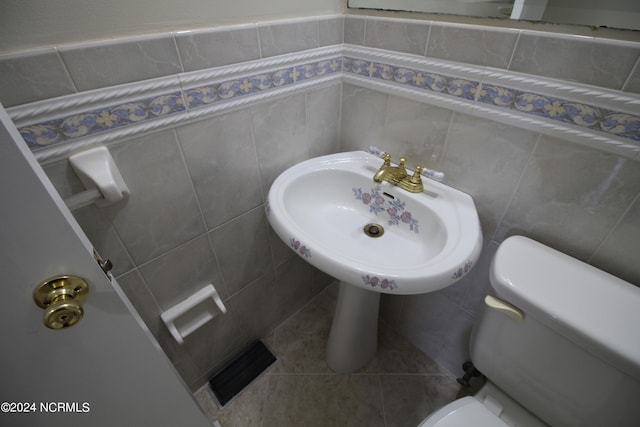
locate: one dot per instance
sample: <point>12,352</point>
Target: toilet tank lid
<point>590,307</point>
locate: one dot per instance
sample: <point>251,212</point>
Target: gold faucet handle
<point>387,159</point>
<point>416,177</point>
<point>401,163</point>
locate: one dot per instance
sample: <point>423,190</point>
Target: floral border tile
<point>95,121</point>
<point>317,69</point>
<point>583,115</point>
<point>356,66</point>
<point>100,120</point>
<point>230,89</point>
<point>575,113</point>
<point>44,134</point>
<point>235,88</point>
<point>435,82</point>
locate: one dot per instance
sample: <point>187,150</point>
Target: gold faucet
<point>397,175</point>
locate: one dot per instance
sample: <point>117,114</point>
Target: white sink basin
<point>320,207</point>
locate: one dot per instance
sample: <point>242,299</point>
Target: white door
<point>106,370</point>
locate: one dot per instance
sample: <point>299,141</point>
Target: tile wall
<point>599,62</point>
<point>199,186</point>
<point>196,216</point>
<point>50,72</point>
<point>196,213</point>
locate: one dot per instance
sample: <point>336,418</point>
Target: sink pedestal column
<point>353,340</point>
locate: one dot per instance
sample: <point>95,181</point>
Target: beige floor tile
<point>301,340</point>
<point>408,399</point>
<point>396,355</point>
<point>323,400</point>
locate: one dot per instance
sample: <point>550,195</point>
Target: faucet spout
<point>384,169</point>
<point>379,176</point>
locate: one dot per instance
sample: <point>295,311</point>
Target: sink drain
<point>373,230</point>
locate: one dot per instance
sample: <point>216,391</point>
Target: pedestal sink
<point>375,238</point>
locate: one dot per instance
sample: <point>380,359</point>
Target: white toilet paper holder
<point>185,317</point>
<point>100,176</point>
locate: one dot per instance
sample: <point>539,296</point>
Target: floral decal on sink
<point>462,270</point>
<point>376,281</point>
<point>395,208</point>
<point>300,248</point>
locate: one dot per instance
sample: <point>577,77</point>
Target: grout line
<point>340,97</point>
<point>513,51</point>
<point>384,412</point>
<point>426,46</point>
<point>445,145</point>
<point>635,68</point>
<point>192,185</point>
<point>67,72</point>
<point>259,41</point>
<point>364,31</point>
<point>175,44</point>
<point>621,218</point>
<point>306,124</point>
<point>516,187</point>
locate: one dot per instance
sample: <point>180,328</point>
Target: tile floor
<point>400,387</point>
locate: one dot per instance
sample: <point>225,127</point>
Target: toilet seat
<point>463,413</point>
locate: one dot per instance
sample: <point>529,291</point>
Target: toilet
<point>558,341</point>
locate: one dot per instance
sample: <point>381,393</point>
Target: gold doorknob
<point>60,297</point>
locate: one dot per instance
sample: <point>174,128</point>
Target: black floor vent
<point>238,374</point>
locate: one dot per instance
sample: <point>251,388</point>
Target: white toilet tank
<point>574,359</point>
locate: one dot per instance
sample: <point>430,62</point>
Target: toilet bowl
<point>558,342</point>
<point>490,407</point>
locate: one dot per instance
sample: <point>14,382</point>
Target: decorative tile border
<point>230,89</point>
<point>435,82</point>
<point>575,113</point>
<point>50,133</point>
<point>615,123</point>
<point>101,120</point>
<point>586,114</point>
